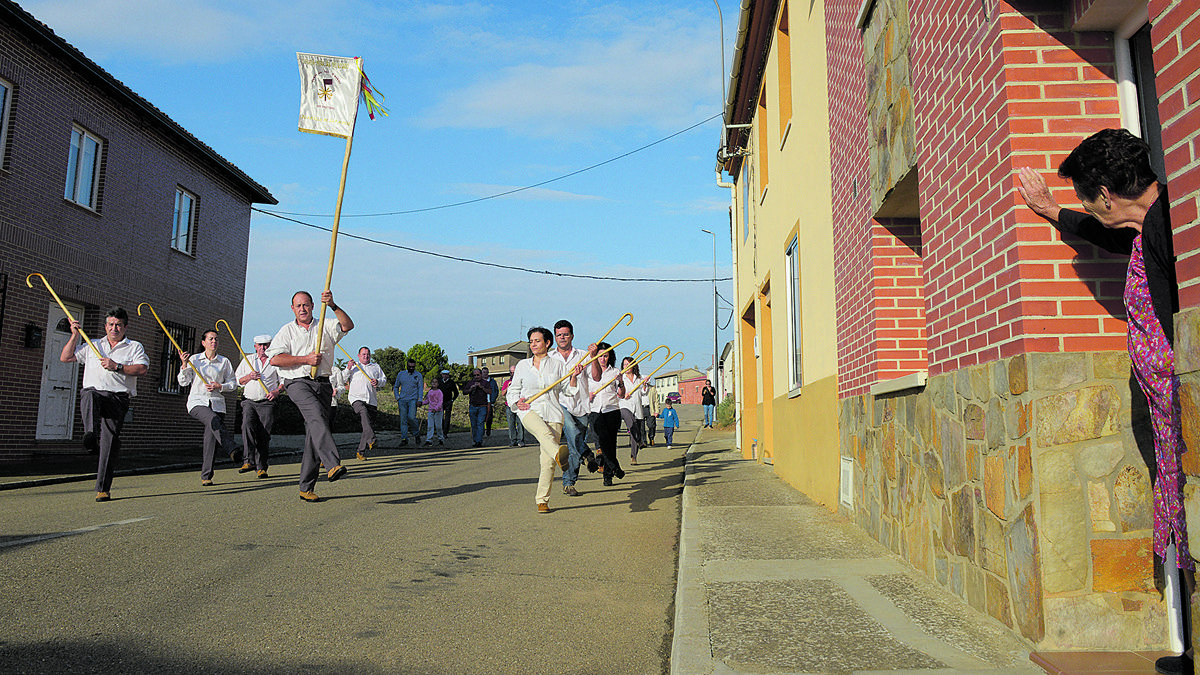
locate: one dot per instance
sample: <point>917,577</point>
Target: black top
<point>709,396</point>
<point>1157,248</point>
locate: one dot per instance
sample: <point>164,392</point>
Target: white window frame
<point>795,335</point>
<point>81,140</point>
<point>184,240</point>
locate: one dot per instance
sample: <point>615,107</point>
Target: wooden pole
<point>337,218</point>
<point>63,307</point>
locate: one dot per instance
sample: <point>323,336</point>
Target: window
<point>83,168</point>
<point>6,91</point>
<point>168,360</point>
<point>183,229</point>
<point>793,305</point>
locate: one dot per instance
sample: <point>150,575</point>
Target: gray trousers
<point>257,419</point>
<point>313,398</point>
<point>215,434</point>
<point>635,431</point>
<point>366,414</point>
<point>103,414</point>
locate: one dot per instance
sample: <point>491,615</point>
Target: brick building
<point>973,360</point>
<point>115,204</point>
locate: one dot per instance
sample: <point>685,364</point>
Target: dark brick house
<point>116,204</point>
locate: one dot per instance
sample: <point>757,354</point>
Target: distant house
<point>116,204</point>
<point>498,359</point>
<point>689,388</point>
<point>670,382</point>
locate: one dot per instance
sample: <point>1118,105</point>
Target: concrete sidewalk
<point>771,582</point>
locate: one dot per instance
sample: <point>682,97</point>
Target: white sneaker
<point>668,447</point>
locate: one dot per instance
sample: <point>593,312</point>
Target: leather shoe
<point>310,497</point>
<point>620,473</point>
<point>102,496</point>
<point>336,473</point>
<point>246,468</point>
<point>570,491</point>
<point>206,483</point>
<point>361,457</point>
<point>608,480</point>
<point>591,463</point>
<point>543,508</point>
<point>262,474</point>
<point>563,452</point>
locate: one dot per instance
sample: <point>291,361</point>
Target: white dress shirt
<point>360,376</point>
<point>577,403</point>
<point>126,352</point>
<point>606,392</point>
<point>219,370</point>
<point>528,380</point>
<point>255,389</point>
<point>633,403</point>
<point>297,340</point>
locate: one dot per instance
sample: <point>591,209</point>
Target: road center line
<point>56,535</point>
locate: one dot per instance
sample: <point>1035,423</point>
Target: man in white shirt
<point>364,378</point>
<point>294,351</point>
<point>576,408</point>
<point>261,385</point>
<point>206,399</point>
<point>108,384</point>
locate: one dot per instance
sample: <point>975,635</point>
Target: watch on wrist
<point>121,368</point>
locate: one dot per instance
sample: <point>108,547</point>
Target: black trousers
<point>607,425</point>
<point>103,414</point>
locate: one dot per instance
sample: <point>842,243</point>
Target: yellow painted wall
<point>799,425</point>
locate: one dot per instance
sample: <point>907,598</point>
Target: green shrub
<point>725,412</point>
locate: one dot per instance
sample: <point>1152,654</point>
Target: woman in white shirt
<point>631,407</point>
<point>606,391</point>
<point>544,416</point>
<point>206,402</point>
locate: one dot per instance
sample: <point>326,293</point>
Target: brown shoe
<point>102,496</point>
<point>206,483</point>
<point>563,453</point>
<point>336,473</point>
<point>310,497</point>
<point>570,491</point>
<point>543,508</point>
<point>361,457</point>
<point>246,468</point>
<point>263,474</point>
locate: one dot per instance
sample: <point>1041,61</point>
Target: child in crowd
<point>435,401</point>
<point>670,420</point>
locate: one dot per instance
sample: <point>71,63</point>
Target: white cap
<point>262,339</point>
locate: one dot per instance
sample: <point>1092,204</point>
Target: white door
<point>56,407</point>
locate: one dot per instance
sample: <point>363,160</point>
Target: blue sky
<point>484,98</point>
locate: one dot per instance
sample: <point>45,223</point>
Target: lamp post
<point>716,353</point>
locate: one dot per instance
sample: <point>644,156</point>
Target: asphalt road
<point>430,560</point>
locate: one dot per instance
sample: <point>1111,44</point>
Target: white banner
<point>329,90</point>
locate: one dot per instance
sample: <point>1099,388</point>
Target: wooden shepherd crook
<point>173,342</point>
<point>63,307</point>
<point>586,362</point>
<point>245,357</point>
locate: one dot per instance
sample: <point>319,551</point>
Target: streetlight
<point>716,354</point>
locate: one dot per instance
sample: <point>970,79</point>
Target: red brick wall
<point>118,256</point>
<point>899,290</point>
<point>689,390</point>
<point>993,91</point>
<point>1175,31</point>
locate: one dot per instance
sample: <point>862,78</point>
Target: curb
<point>691,649</point>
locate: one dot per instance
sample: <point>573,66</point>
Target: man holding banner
<point>109,381</point>
<point>305,369</point>
<point>261,385</point>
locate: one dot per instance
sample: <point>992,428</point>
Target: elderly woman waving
<point>1126,213</point>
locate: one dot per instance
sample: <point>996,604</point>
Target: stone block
<point>888,448</point>
<point>1111,365</point>
<point>999,370</point>
<point>1134,498</point>
<point>1189,403</point>
<point>1079,415</point>
<point>1024,483</point>
<point>1064,528</point>
<point>962,384</point>
<point>1187,341</point>
<point>962,523</point>
<point>1089,622</point>
<point>981,386</point>
<point>932,463</point>
<point>997,600</point>
<point>1025,576</point>
<point>994,423</point>
<point>975,461</point>
<point>1018,381</point>
<point>1018,414</point>
<point>958,581</point>
<point>1098,460</point>
<point>923,419</point>
<point>1191,510</point>
<point>1122,565</point>
<point>994,481</point>
<point>941,570</point>
<point>992,554</point>
<point>976,590</point>
<point>1055,372</point>
<point>1101,508</point>
<point>973,422</point>
<point>954,461</point>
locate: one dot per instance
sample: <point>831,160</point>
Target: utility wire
<point>498,194</point>
<point>343,233</point>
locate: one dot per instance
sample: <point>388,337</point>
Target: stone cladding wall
<point>1019,486</point>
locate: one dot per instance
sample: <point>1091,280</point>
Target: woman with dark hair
<point>631,406</point>
<point>1126,212</point>
<point>605,392</point>
<point>543,417</point>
